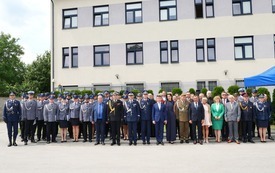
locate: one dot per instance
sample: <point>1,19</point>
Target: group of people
<point>228,118</point>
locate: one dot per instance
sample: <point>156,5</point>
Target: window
<point>133,13</point>
<point>243,48</point>
<point>101,16</point>
<point>211,49</point>
<point>138,86</point>
<point>65,57</point>
<point>209,8</point>
<point>200,50</point>
<point>241,7</point>
<point>164,52</point>
<point>134,53</point>
<point>74,56</point>
<point>212,85</point>
<point>200,85</point>
<point>273,6</point>
<point>69,18</point>
<point>102,55</point>
<point>169,86</point>
<point>174,51</point>
<point>274,43</point>
<point>240,83</point>
<point>198,8</point>
<point>104,87</point>
<point>168,10</point>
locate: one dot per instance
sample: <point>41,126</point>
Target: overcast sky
<point>28,20</point>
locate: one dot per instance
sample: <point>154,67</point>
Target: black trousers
<point>107,129</point>
<point>268,129</point>
<point>29,130</point>
<point>100,131</point>
<point>12,126</point>
<point>196,124</point>
<point>51,130</point>
<point>87,126</point>
<point>178,127</point>
<point>247,130</point>
<point>41,130</point>
<point>70,129</point>
<point>145,130</point>
<point>139,129</point>
<point>225,131</point>
<point>191,134</point>
<point>22,129</point>
<point>115,131</point>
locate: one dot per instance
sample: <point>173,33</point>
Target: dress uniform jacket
<point>39,110</point>
<point>132,111</point>
<point>115,110</point>
<point>85,113</point>
<point>146,109</point>
<point>74,110</point>
<point>12,111</point>
<point>29,110</point>
<point>50,112</point>
<point>247,112</point>
<point>261,111</point>
<point>62,112</point>
<point>182,108</point>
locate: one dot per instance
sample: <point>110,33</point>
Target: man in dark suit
<point>225,129</point>
<point>115,116</point>
<point>159,118</point>
<point>196,118</point>
<point>12,116</point>
<point>247,117</point>
<point>99,118</point>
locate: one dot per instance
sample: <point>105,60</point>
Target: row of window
<point>167,12</point>
<point>243,47</point>
<point>167,86</point>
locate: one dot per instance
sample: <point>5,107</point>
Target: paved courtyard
<point>85,157</point>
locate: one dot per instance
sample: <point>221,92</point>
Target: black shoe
<point>14,144</point>
<point>181,141</point>
<point>33,141</point>
<point>148,143</point>
<point>162,143</point>
<point>158,143</point>
<point>251,141</point>
<point>118,143</point>
<point>195,142</point>
<point>270,137</point>
<point>9,145</point>
<point>130,143</point>
<point>38,140</point>
<point>187,141</point>
<point>48,142</point>
<point>201,142</point>
<point>90,141</point>
<point>135,143</point>
<point>244,141</point>
<point>22,140</point>
<point>54,141</point>
<point>102,143</point>
<point>25,143</point>
<point>97,143</point>
<point>143,142</point>
<point>84,141</point>
<point>113,143</point>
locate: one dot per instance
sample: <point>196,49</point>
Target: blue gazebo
<point>266,78</point>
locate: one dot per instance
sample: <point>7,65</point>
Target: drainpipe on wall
<point>52,52</point>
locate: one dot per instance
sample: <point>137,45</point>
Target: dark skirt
<point>262,123</point>
<point>63,124</point>
<point>74,121</point>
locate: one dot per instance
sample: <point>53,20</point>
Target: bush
<point>233,89</point>
<point>273,108</point>
<point>176,91</point>
<point>135,92</point>
<point>88,92</point>
<point>97,91</point>
<point>204,91</point>
<point>249,91</point>
<point>76,92</point>
<point>217,91</point>
<point>111,91</point>
<point>121,92</point>
<point>192,91</point>
<point>150,91</point>
<point>160,91</point>
<point>263,90</point>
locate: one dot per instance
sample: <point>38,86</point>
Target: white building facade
<point>154,44</point>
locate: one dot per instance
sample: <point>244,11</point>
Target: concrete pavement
<point>85,157</point>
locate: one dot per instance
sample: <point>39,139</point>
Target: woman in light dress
<point>207,120</point>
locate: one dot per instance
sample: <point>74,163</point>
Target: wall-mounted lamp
<point>117,76</point>
<point>225,72</point>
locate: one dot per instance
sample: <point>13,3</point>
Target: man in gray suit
<point>232,117</point>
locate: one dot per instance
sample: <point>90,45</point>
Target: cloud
<point>28,20</point>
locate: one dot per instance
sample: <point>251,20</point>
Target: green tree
<point>192,91</point>
<point>263,90</point>
<point>204,91</point>
<point>11,67</point>
<point>38,74</point>
<point>176,91</point>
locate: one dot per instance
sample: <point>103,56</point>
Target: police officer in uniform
<point>86,119</point>
<point>12,116</point>
<point>24,98</point>
<point>254,99</point>
<point>50,114</point>
<point>247,117</point>
<point>40,117</point>
<point>29,116</point>
<point>132,115</point>
<point>115,115</point>
<point>146,106</point>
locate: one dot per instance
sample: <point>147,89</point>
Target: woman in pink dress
<point>207,120</point>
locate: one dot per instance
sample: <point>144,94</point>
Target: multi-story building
<point>153,44</point>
